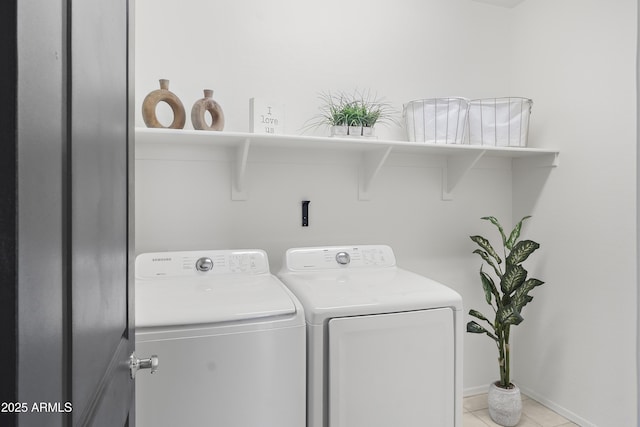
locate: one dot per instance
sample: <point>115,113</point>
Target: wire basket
<point>502,122</point>
<point>436,120</point>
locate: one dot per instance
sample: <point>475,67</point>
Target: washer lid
<point>171,290</point>
<point>172,302</point>
<point>328,294</point>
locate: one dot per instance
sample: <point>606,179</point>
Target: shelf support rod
<point>455,169</point>
<point>239,169</point>
<point>371,164</point>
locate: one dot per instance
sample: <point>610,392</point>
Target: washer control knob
<point>204,264</point>
<point>343,258</point>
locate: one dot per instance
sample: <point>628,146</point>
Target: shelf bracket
<point>238,171</point>
<point>546,160</point>
<point>454,170</point>
<point>372,162</point>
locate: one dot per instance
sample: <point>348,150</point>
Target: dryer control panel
<point>339,257</point>
<point>201,263</point>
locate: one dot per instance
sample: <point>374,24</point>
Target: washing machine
<point>230,341</point>
<point>384,345</point>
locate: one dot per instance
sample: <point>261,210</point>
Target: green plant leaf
<point>512,278</point>
<point>515,233</point>
<point>506,300</point>
<point>484,244</point>
<point>495,222</point>
<point>508,315</point>
<point>488,286</point>
<point>521,297</point>
<point>521,251</point>
<point>488,260</point>
<point>521,302</point>
<point>477,314</point>
<point>474,328</point>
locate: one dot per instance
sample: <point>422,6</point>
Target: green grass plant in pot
<point>352,114</point>
<point>507,296</point>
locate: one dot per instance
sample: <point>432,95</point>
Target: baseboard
<point>556,408</point>
<point>472,391</point>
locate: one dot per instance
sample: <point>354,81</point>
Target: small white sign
<point>266,117</point>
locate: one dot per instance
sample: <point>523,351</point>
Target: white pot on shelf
<point>339,131</point>
<point>355,130</point>
<point>505,405</point>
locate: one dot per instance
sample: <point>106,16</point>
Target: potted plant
<point>352,115</point>
<point>506,296</point>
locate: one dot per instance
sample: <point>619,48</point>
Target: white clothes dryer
<point>230,339</point>
<point>384,344</point>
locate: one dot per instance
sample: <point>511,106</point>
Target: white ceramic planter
<point>355,130</point>
<point>368,132</point>
<point>505,405</point>
<point>339,131</point>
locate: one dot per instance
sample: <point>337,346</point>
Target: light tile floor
<point>534,414</point>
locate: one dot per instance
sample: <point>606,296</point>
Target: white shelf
<point>459,158</point>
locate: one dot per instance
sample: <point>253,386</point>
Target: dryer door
<point>392,369</point>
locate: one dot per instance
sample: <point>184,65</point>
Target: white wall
<point>290,50</point>
<point>577,348</point>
